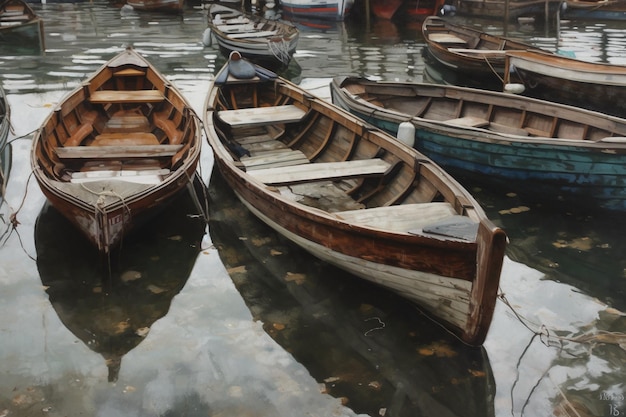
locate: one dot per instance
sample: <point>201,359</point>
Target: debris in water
<point>130,276</point>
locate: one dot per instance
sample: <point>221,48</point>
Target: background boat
<point>593,85</point>
<point>20,25</point>
<point>271,43</point>
<point>117,149</point>
<point>595,10</point>
<point>467,50</point>
<point>553,153</point>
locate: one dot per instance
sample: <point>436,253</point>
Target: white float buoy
<point>207,37</point>
<point>514,88</point>
<point>406,133</point>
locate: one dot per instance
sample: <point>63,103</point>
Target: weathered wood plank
<point>259,116</point>
<point>321,171</point>
<point>121,138</point>
<point>401,218</point>
<point>469,121</point>
<point>275,160</point>
<point>104,152</point>
<point>253,34</point>
<point>130,96</point>
<point>446,38</point>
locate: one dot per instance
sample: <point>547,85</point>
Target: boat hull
<point>452,278</point>
<point>590,174</point>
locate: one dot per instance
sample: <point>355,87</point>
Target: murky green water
<point>229,319</point>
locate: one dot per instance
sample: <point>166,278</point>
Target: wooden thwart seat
<point>446,38</point>
<point>402,218</point>
<point>116,151</point>
<point>130,96</point>
<point>469,121</point>
<point>253,34</point>
<point>259,116</point>
<point>321,171</point>
<point>119,138</point>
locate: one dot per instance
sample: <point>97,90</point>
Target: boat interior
<point>306,152</point>
<point>14,13</point>
<point>125,122</point>
<point>492,112</point>
<point>237,26</point>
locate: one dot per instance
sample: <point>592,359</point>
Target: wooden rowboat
<point>544,149</point>
<point>594,85</point>
<point>20,25</point>
<point>468,50</point>
<point>357,198</point>
<point>117,149</point>
<point>170,6</point>
<point>270,43</point>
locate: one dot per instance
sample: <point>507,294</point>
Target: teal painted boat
<point>544,149</point>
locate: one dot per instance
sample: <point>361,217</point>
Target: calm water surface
<point>225,318</point>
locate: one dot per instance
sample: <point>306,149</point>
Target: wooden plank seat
<point>260,116</point>
<point>446,38</point>
<point>128,96</point>
<point>478,51</point>
<point>117,151</point>
<point>145,176</point>
<point>253,34</point>
<point>234,28</point>
<point>117,138</point>
<point>274,159</point>
<point>469,121</point>
<point>409,218</point>
<point>321,171</point>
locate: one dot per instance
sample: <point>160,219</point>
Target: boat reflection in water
<point>111,311</point>
<point>364,344</point>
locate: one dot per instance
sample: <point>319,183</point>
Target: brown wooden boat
<point>117,149</point>
<point>20,25</point>
<point>468,50</point>
<point>356,197</point>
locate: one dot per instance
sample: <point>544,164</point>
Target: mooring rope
<point>280,49</point>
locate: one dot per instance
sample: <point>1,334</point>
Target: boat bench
<point>236,27</point>
<point>409,218</point>
<point>130,96</point>
<point>144,176</point>
<point>116,151</point>
<point>469,121</point>
<point>446,38</point>
<point>261,116</point>
<point>322,171</point>
<point>253,34</point>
